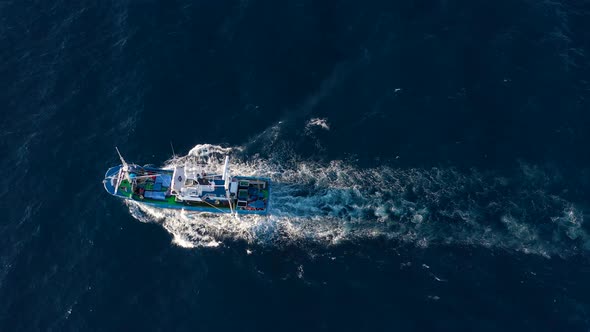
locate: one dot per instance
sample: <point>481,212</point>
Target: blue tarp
<point>155,195</point>
<point>257,204</point>
<point>164,179</point>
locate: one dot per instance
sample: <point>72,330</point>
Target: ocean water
<point>429,159</point>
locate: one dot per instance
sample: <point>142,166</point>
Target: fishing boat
<point>187,188</point>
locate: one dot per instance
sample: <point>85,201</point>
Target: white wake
<point>331,203</point>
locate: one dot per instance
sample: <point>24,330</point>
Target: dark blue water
<point>430,157</point>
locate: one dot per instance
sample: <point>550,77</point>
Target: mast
<point>225,176</point>
<point>124,168</point>
<point>125,165</point>
<point>225,170</point>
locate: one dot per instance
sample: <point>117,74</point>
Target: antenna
<point>173,154</point>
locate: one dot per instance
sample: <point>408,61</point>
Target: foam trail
<point>336,202</point>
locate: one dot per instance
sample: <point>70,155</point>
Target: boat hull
<point>156,193</point>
